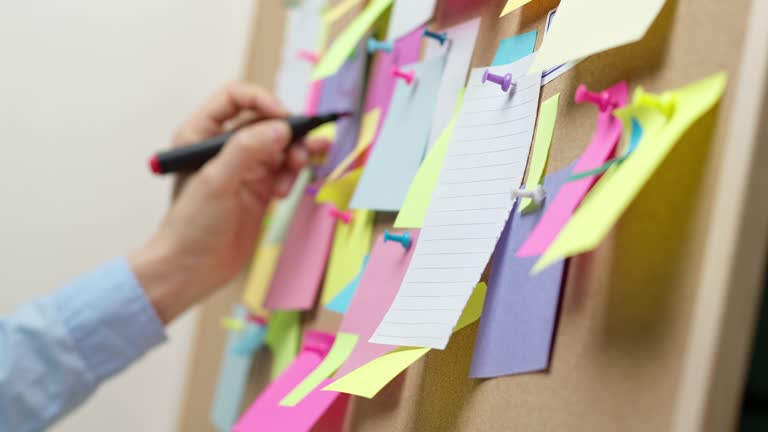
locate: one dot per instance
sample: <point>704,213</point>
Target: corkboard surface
<point>626,311</point>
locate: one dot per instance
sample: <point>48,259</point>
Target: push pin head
<point>404,238</point>
<point>256,319</point>
<point>505,81</point>
<point>309,56</point>
<point>377,45</point>
<point>538,194</point>
<point>602,100</point>
<point>344,216</point>
<point>664,102</point>
<point>406,75</point>
<point>440,37</point>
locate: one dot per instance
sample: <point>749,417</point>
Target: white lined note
<point>485,160</point>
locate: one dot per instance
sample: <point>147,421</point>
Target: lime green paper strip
<point>283,338</point>
<point>612,194</point>
<point>414,207</point>
<point>541,143</point>
<point>332,60</point>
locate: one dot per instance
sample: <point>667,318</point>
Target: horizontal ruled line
<point>465,238</point>
<point>480,181</point>
<point>421,309</point>
<point>483,166</point>
<point>431,296</point>
<point>503,109</point>
<point>484,152</point>
<point>471,209</point>
<point>516,92</point>
<point>452,253</point>
<point>443,268</point>
<point>461,224</point>
<point>412,322</point>
<point>492,138</point>
<point>493,124</point>
<point>437,282</point>
<point>406,337</point>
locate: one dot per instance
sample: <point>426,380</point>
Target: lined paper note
<point>484,162</point>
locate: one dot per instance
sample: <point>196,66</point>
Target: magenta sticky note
<point>377,289</point>
<point>601,148</point>
<point>301,265</point>
<point>265,413</point>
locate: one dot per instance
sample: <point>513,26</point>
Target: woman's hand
<point>208,235</point>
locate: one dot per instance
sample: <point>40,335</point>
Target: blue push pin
<point>441,37</point>
<point>377,45</point>
<point>404,238</point>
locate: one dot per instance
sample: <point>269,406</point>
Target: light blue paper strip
<point>514,48</point>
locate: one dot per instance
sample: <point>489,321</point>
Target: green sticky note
<point>606,202</point>
<point>545,127</point>
<point>283,338</point>
<point>414,208</point>
<point>341,349</point>
<point>332,60</point>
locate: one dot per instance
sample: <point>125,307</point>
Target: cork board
<point>654,325</point>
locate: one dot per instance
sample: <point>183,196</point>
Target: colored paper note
<point>514,48</point>
<point>368,127</point>
<point>369,379</point>
<point>407,15</point>
<point>520,313</point>
<point>339,10</point>
<point>549,74</point>
<point>266,414</point>
<point>635,133</point>
<point>301,265</point>
<point>469,208</point>
<point>395,158</point>
<point>284,211</point>
<point>341,302</point>
<point>608,200</point>
<point>259,277</point>
<point>457,51</point>
<point>586,27</point>
<point>283,338</point>
<point>351,244</point>
<point>342,347</point>
<point>233,376</point>
<point>332,60</point>
<point>411,214</point>
<point>385,270</point>
<point>339,191</point>
<point>601,148</point>
<point>512,5</point>
<point>545,127</point>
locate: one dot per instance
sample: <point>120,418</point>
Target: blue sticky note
<point>397,152</point>
<point>233,375</point>
<point>514,48</point>
<point>634,139</point>
<point>341,302</point>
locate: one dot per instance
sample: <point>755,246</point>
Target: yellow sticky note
<point>351,244</point>
<point>612,194</point>
<point>332,60</point>
<point>339,10</point>
<point>368,126</point>
<point>369,379</point>
<point>283,338</point>
<point>339,191</point>
<point>512,5</point>
<point>585,27</point>
<point>545,127</point>
<point>411,214</point>
<point>341,349</point>
<point>327,131</point>
<point>259,278</point>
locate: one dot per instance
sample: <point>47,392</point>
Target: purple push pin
<point>602,99</point>
<point>504,81</point>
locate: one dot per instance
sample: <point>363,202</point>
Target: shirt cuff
<point>109,318</point>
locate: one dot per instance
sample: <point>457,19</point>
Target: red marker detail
<point>154,165</point>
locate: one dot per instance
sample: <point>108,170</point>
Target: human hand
<point>209,233</point>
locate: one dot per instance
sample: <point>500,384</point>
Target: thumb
<point>259,146</point>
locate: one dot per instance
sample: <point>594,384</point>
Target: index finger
<point>239,96</point>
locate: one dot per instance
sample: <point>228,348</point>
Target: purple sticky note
<point>520,310</point>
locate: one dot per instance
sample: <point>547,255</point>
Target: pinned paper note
<point>608,200</point>
<point>514,48</point>
<point>549,74</point>
<point>339,191</point>
<point>400,147</point>
<point>383,274</point>
<point>266,414</point>
<point>259,277</point>
<point>341,302</point>
<point>332,60</point>
<point>484,162</point>
<point>407,15</point>
<point>370,378</point>
<point>351,244</point>
<point>283,338</point>
<point>368,127</point>
<point>520,313</point>
<point>301,266</point>
<point>545,127</point>
<point>586,27</point>
<point>601,148</point>
<point>457,50</point>
<point>512,5</point>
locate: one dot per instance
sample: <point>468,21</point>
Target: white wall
<point>88,90</point>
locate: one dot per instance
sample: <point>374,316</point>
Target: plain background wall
<point>88,90</point>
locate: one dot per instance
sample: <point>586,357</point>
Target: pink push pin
<point>407,76</point>
<point>256,319</point>
<point>602,99</point>
<point>344,216</point>
<point>308,56</point>
<point>504,81</point>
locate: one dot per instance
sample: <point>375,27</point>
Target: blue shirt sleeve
<point>55,351</point>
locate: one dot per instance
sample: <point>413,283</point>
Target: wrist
<point>163,278</point>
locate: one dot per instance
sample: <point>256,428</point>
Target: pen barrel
<point>192,157</point>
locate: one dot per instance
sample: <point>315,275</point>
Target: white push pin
<point>537,195</point>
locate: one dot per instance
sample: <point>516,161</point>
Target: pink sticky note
<point>265,413</point>
<point>377,289</point>
<point>604,140</point>
<point>301,265</point>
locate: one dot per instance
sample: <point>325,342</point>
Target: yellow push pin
<point>664,102</point>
